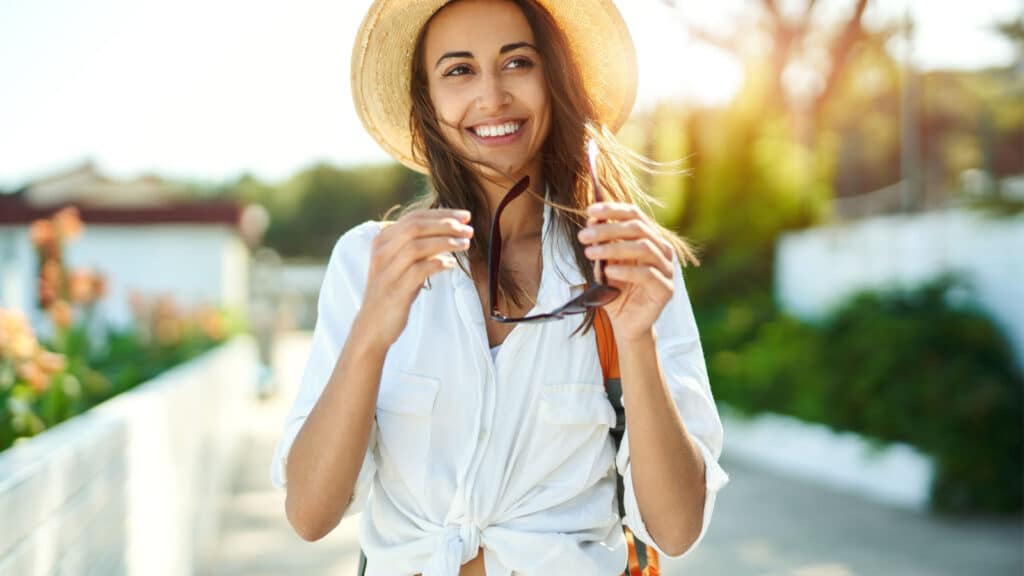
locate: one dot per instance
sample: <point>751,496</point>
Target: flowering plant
<point>43,383</point>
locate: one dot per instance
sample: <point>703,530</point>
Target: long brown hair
<point>454,183</point>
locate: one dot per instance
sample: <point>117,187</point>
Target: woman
<point>474,461</point>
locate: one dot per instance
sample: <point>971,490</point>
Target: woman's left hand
<point>638,262</point>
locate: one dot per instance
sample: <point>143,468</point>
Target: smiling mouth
<point>498,130</point>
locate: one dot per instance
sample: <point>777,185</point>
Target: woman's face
<point>487,85</point>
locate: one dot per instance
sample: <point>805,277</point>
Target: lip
<point>499,140</point>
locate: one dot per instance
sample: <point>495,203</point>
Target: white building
<point>141,234</point>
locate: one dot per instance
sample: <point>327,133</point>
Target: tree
<point>791,40</point>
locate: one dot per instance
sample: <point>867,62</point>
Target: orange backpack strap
<point>606,348</point>
<point>642,561</point>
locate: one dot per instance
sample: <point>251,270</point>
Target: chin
<point>504,167</point>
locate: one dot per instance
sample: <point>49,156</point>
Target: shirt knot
<point>457,544</point>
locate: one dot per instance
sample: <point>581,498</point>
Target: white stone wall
<point>132,486</point>
<point>818,268</point>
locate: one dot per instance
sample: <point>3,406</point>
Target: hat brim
<point>598,37</point>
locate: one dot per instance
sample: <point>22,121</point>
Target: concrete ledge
<point>896,474</point>
<point>133,485</point>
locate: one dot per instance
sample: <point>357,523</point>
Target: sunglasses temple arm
<point>598,197</point>
<point>494,254</point>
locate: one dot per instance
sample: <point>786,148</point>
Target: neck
<point>523,217</point>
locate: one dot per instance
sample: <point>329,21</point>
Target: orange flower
<point>47,293</point>
<point>51,272</point>
<point>138,303</point>
<point>68,223</point>
<point>212,324</point>
<point>16,338</point>
<point>51,362</point>
<point>23,346</point>
<point>34,375</point>
<point>12,321</point>
<point>168,331</point>
<point>42,233</point>
<point>99,286</point>
<point>61,313</point>
<point>166,307</point>
<point>81,287</point>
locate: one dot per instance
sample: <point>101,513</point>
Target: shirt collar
<point>560,273</point>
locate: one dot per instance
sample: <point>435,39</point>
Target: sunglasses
<point>595,295</point>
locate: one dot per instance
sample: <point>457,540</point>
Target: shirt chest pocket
<point>405,404</point>
<point>573,423</point>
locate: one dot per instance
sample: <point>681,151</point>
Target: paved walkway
<point>764,525</point>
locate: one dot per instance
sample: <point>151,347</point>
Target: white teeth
<point>499,130</point>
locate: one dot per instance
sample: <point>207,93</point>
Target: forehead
<point>478,26</point>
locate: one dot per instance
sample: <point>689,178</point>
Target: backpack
<point>641,560</point>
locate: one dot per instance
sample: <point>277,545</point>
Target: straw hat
<point>597,35</point>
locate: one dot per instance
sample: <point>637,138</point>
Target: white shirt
<point>511,453</point>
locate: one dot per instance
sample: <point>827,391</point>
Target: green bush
<point>905,365</point>
<point>43,383</point>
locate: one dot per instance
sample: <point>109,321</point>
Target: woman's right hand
<point>404,254</point>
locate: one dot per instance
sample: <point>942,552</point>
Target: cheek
<point>540,105</point>
<point>450,101</point>
<point>543,125</point>
<point>448,108</point>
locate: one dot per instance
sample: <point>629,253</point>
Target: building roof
<point>103,200</point>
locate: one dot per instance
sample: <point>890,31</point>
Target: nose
<point>493,95</point>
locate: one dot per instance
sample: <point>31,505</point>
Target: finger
<point>427,248</point>
<point>418,273</point>
<point>394,228</point>
<point>615,211</point>
<point>433,222</point>
<point>651,233</point>
<point>642,251</point>
<point>608,231</point>
<point>437,213</point>
<point>647,276</point>
<point>393,240</point>
<point>394,259</point>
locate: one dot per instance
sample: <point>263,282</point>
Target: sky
<point>205,90</point>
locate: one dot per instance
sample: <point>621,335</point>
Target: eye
<point>460,70</point>
<point>520,62</point>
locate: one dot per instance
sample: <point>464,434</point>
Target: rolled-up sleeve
<point>683,365</point>
<point>340,297</point>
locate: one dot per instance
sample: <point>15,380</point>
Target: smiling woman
<point>516,463</point>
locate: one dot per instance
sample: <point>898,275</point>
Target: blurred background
<point>173,177</point>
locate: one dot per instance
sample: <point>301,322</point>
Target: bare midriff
<point>474,567</point>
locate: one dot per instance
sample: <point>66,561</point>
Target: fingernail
<point>595,208</point>
<point>586,234</point>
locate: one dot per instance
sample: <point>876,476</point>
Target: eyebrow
<point>504,49</point>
